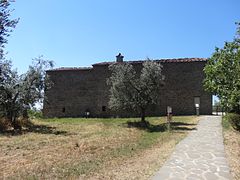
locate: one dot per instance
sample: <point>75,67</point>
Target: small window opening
<point>103,108</point>
<point>63,110</point>
<point>197,101</point>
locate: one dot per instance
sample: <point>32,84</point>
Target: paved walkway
<point>199,156</point>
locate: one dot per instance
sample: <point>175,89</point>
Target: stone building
<point>80,90</point>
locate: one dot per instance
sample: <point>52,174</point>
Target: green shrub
<point>35,114</point>
<point>225,123</point>
<point>234,120</point>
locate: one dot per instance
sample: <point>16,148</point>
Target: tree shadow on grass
<point>177,126</point>
<point>33,128</point>
<point>147,126</point>
<point>44,129</point>
<point>182,126</point>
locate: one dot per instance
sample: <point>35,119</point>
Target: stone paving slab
<point>200,156</point>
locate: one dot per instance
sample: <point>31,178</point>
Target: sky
<point>78,33</point>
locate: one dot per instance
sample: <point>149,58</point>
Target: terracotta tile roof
<point>179,60</point>
<point>71,69</point>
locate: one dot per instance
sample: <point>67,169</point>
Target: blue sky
<point>83,32</point>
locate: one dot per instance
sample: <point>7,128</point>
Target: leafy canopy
<point>6,24</point>
<point>19,93</point>
<point>223,73</point>
<point>129,90</point>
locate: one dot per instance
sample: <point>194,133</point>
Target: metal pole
<point>197,111</point>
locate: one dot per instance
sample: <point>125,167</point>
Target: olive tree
<point>131,90</point>
<point>6,24</point>
<point>19,93</point>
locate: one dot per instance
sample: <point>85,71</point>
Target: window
<point>103,108</point>
<point>63,110</point>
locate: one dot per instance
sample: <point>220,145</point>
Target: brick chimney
<point>119,57</point>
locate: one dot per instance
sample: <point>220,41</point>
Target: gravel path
<point>199,156</point>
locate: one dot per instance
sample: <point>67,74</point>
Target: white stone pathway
<point>199,156</point>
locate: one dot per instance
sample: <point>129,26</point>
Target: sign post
<point>197,109</point>
<point>87,113</point>
<point>169,117</point>
<point>197,105</point>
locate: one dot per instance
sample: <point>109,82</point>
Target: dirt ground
<point>232,148</point>
<point>90,148</point>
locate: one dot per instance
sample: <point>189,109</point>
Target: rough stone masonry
<point>80,90</point>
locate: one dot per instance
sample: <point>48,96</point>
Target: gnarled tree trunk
<point>143,120</point>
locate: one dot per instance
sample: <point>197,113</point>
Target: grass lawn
<point>232,148</point>
<point>90,148</point>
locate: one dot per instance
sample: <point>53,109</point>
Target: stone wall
<point>77,90</point>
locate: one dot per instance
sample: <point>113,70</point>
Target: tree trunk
<point>25,114</point>
<point>143,115</point>
<point>16,125</point>
<point>144,122</point>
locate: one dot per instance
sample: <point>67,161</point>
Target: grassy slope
<point>232,148</point>
<point>100,148</point>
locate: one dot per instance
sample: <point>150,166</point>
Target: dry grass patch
<point>90,148</point>
<point>232,148</point>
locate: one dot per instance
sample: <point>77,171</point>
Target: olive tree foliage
<point>223,74</point>
<point>129,90</point>
<point>19,93</point>
<point>6,23</point>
